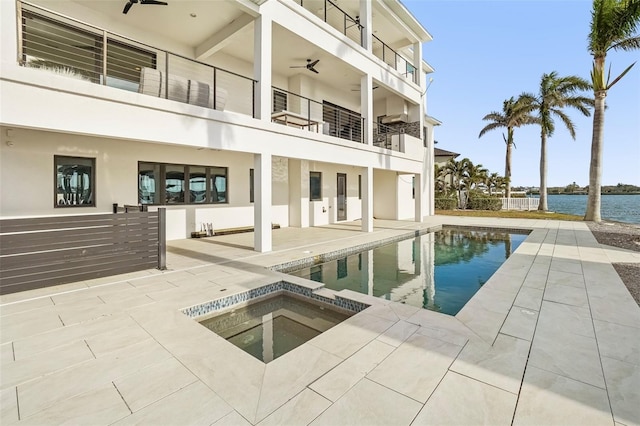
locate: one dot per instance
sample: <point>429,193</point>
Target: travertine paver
<point>460,400</point>
<point>551,338</point>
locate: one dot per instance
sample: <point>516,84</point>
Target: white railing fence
<point>520,203</point>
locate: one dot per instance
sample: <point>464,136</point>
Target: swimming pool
<point>439,271</point>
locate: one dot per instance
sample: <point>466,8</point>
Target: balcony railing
<point>395,60</point>
<point>388,137</point>
<point>323,117</point>
<point>68,47</point>
<point>331,13</point>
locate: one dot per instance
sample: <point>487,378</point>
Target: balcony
<point>64,46</point>
<point>348,23</point>
<point>322,117</point>
<point>71,48</point>
<point>395,60</point>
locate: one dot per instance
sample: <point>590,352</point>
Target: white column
<point>367,199</point>
<point>417,62</point>
<point>298,193</point>
<point>262,42</point>
<point>366,107</point>
<point>262,202</point>
<point>9,41</point>
<point>419,196</point>
<point>366,20</point>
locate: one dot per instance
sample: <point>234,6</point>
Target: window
<point>359,187</point>
<point>218,184</point>
<point>315,186</point>
<point>149,183</point>
<point>279,101</point>
<point>197,184</point>
<point>75,181</point>
<point>413,187</point>
<point>251,186</point>
<point>181,184</point>
<point>174,184</point>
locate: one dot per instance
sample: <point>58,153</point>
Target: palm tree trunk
<point>595,169</point>
<point>507,162</point>
<point>543,172</point>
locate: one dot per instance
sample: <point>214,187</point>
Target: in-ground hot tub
<point>269,321</point>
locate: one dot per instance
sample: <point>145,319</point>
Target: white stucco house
<point>230,112</point>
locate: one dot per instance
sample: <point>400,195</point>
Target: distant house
<point>441,156</point>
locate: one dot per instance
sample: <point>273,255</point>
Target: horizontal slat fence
<point>47,251</point>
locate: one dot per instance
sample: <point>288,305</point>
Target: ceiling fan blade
<point>128,6</point>
<point>313,64</point>
<point>314,70</point>
<point>163,3</point>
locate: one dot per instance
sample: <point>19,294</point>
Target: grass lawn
<point>518,214</point>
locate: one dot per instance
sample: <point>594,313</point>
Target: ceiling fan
<point>357,89</point>
<point>132,2</point>
<point>310,65</point>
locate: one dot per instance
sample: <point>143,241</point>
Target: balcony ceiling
<point>173,21</point>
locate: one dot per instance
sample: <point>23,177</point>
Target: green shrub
<point>484,203</point>
<point>446,203</point>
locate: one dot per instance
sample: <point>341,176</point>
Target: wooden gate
<point>47,251</point>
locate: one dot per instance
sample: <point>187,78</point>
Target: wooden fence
<point>520,203</point>
<point>47,251</point>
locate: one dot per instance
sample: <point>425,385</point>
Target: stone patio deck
<point>552,338</point>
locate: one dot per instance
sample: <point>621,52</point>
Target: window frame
<point>160,183</point>
<point>316,175</point>
<point>92,181</point>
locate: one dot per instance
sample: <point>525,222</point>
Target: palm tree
<point>458,170</point>
<point>613,26</point>
<point>515,113</point>
<point>493,181</point>
<point>476,174</point>
<point>555,94</point>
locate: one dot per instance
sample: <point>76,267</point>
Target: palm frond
<point>567,122</point>
<point>617,79</point>
<point>489,127</point>
<point>631,43</point>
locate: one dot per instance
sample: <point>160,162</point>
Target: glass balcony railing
<point>68,47</point>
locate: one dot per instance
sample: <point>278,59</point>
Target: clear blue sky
<point>487,51</point>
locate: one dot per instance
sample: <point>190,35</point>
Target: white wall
<point>384,194</point>
<point>325,211</point>
<point>28,185</point>
<point>406,203</point>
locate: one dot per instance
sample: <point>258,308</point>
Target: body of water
<point>621,208</point>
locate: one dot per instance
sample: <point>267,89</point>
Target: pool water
<point>439,271</point>
<point>275,326</point>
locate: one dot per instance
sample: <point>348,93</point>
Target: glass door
<point>342,196</point>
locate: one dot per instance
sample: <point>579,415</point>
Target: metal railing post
<point>253,99</point>
<point>215,87</point>
<point>104,57</point>
<point>166,75</point>
<point>162,238</point>
<point>325,10</point>
<point>309,113</point>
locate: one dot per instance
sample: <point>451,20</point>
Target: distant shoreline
<point>584,193</point>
